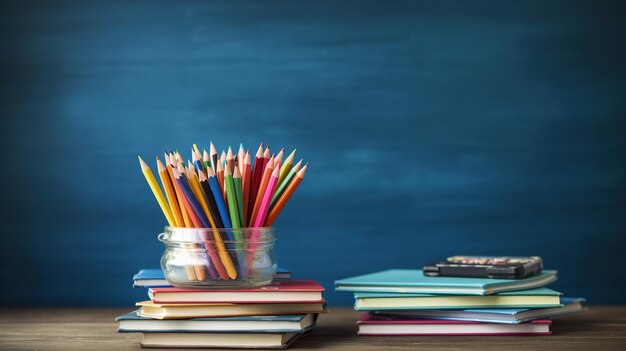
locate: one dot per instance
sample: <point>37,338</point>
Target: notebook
<point>289,323</point>
<point>532,298</point>
<point>150,309</point>
<point>494,315</point>
<point>388,325</point>
<point>219,340</point>
<point>153,277</point>
<point>277,292</point>
<point>414,281</point>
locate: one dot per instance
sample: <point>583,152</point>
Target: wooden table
<point>601,328</point>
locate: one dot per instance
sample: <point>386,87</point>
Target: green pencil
<point>232,198</point>
<point>281,188</point>
<point>229,187</point>
<point>239,195</point>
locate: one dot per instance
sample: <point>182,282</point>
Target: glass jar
<point>218,258</point>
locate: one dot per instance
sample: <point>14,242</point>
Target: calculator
<point>497,267</point>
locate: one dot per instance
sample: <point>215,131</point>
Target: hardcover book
<point>414,281</point>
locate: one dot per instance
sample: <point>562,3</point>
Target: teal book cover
<point>528,292</point>
<point>414,281</point>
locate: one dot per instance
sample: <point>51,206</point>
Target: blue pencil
<point>219,200</point>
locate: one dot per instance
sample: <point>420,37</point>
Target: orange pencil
<point>267,173</point>
<point>282,201</point>
<point>279,156</point>
<point>246,179</point>
<point>179,195</point>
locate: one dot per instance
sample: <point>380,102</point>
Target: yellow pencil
<point>156,190</point>
<point>286,167</point>
<point>169,192</point>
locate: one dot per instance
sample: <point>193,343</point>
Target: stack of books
<point>406,302</point>
<point>272,316</point>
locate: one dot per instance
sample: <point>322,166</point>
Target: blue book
<point>154,278</point>
<point>495,315</point>
<point>531,298</point>
<point>414,281</point>
<point>297,323</point>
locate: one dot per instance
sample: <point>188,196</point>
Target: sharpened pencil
<point>156,191</point>
<point>267,173</point>
<point>282,201</point>
<point>246,179</point>
<point>281,188</point>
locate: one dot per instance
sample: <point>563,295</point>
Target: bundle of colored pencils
<point>227,191</point>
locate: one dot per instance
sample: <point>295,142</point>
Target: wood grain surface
<point>600,328</point>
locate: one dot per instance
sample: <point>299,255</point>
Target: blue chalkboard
<point>432,128</point>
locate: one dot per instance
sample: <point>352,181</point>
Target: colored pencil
<point>281,188</point>
<point>238,195</point>
<point>206,189</point>
<point>267,173</point>
<point>282,201</point>
<point>279,156</point>
<point>180,215</point>
<point>213,217</point>
<point>246,179</point>
<point>179,195</point>
<point>257,173</point>
<point>169,192</point>
<point>241,155</point>
<point>267,197</point>
<point>231,197</point>
<point>214,157</point>
<point>219,173</point>
<point>206,159</point>
<point>156,191</point>
<point>286,167</point>
<point>195,211</point>
<point>219,200</point>
<point>197,161</point>
<point>230,160</point>
<point>219,266</point>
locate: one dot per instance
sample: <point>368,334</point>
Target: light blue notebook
<point>154,278</point>
<point>494,315</point>
<point>298,323</point>
<point>414,281</point>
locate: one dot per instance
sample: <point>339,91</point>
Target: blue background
<point>432,128</point>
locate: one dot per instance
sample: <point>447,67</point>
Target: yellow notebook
<point>533,298</point>
<point>153,310</point>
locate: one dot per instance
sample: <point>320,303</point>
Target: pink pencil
<point>267,198</point>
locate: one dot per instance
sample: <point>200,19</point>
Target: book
<point>389,325</point>
<point>276,292</point>
<point>153,310</point>
<point>414,281</point>
<point>495,315</point>
<point>532,298</point>
<point>289,323</point>
<point>219,340</point>
<point>154,277</point>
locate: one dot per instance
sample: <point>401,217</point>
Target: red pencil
<point>246,179</point>
<point>267,173</point>
<point>257,172</point>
